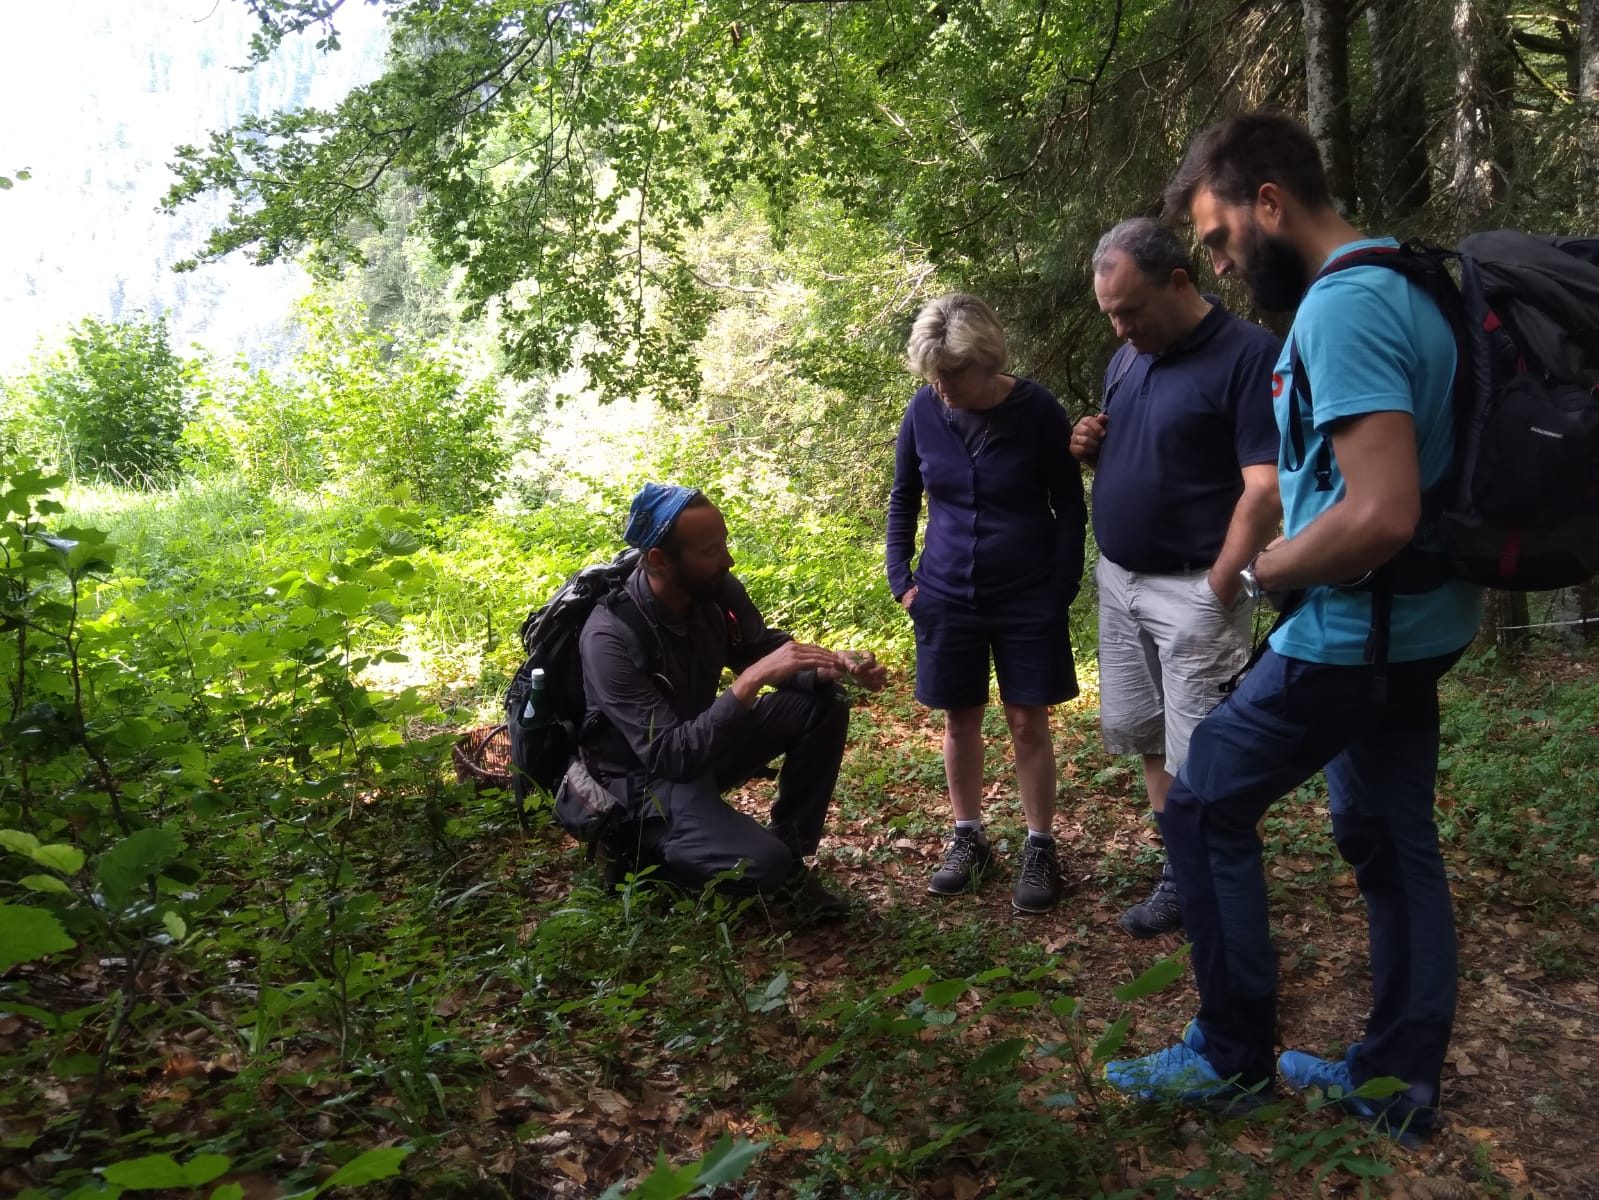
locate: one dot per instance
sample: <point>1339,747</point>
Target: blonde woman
<point>999,566</point>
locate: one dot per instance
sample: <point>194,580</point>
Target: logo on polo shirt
<point>1276,385</point>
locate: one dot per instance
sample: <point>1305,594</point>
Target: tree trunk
<point>1588,52</point>
<point>1483,80</point>
<point>1327,95</point>
<point>1588,87</point>
<point>1398,148</point>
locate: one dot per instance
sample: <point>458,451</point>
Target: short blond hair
<point>951,332</point>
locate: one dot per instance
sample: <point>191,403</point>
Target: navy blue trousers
<point>1287,720</point>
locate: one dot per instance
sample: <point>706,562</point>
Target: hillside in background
<point>94,106</point>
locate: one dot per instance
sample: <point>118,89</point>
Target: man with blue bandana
<point>1368,428</point>
<point>666,735</point>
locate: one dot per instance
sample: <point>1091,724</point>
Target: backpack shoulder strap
<point>1424,266</point>
<point>642,638</point>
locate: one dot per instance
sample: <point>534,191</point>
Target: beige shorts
<point>1166,645</point>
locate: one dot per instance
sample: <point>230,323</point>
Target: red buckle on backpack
<point>1509,554</point>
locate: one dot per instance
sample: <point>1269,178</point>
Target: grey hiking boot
<point>1161,913</point>
<point>1038,883</point>
<point>965,859</point>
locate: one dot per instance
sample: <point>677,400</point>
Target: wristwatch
<point>1252,587</point>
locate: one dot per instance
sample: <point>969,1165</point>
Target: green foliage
<point>1519,766</point>
<point>111,404</point>
<point>725,1162</point>
<point>405,415</point>
<point>564,166</point>
<point>260,427</point>
<point>360,408</point>
<point>226,818</point>
<point>27,934</point>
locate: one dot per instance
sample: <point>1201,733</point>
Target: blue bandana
<point>654,509</point>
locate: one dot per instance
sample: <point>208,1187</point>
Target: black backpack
<point>1519,509</point>
<point>544,743</point>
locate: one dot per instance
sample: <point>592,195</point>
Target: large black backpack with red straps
<point>1519,510</point>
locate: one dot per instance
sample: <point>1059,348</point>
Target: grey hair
<point>1154,249</point>
<point>955,330</point>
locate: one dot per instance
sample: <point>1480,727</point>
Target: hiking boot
<point>808,900</point>
<point>1332,1078</point>
<point>1038,882</point>
<point>1161,913</point>
<point>1181,1074</point>
<point>966,857</point>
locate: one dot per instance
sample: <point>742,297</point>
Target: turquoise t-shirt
<point>1370,341</point>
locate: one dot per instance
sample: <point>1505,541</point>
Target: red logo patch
<point>1276,385</point>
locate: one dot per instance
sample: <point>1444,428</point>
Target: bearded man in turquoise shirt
<point>1382,358</point>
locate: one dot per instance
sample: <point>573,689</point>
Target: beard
<point>698,585</point>
<point>1277,275</point>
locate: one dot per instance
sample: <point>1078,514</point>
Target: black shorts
<point>1026,635</point>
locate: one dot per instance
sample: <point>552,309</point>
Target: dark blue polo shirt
<point>1182,424</point>
<point>1004,499</point>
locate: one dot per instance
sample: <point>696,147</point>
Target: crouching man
<point>662,732</point>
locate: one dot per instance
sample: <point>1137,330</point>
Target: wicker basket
<point>483,755</point>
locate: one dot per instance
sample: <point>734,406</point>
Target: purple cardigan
<point>1007,518</point>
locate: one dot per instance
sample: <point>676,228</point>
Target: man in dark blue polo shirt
<point>1185,494</point>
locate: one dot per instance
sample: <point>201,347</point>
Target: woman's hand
<point>908,598</point>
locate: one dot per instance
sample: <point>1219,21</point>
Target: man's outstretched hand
<point>789,659</point>
<point>864,669</point>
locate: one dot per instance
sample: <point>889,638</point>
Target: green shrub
<point>111,404</point>
<point>402,413</point>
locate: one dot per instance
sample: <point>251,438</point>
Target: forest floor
<point>470,997</point>
<point>1522,1075</point>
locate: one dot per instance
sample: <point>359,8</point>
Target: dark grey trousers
<point>693,835</point>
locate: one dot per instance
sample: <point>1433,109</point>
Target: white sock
<point>1046,838</point>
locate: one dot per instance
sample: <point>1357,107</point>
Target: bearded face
<point>1275,272</point>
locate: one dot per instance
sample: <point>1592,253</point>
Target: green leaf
<point>44,883</point>
<point>203,1168</point>
<point>58,857</point>
<point>148,1174</point>
<point>175,925</point>
<point>382,1163</point>
<point>1021,999</point>
<point>349,599</point>
<point>134,859</point>
<point>157,1172</point>
<point>1065,1006</point>
<point>945,992</point>
<point>228,1191</point>
<point>29,933</point>
<point>400,541</point>
<point>1111,1040</point>
<point>909,980</point>
<point>1368,1167</point>
<point>22,843</point>
<point>1001,1055</point>
<point>1159,976</point>
<point>1380,1087</point>
<point>727,1160</point>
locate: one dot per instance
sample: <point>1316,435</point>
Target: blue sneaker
<point>1182,1074</point>
<point>1332,1078</point>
